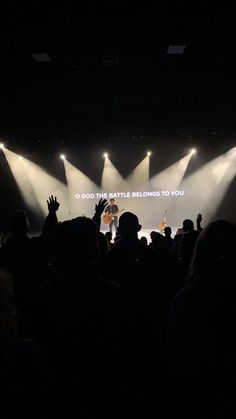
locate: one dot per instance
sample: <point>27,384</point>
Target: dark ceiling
<point>109,68</point>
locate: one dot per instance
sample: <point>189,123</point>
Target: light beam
<point>205,189</point>
<point>79,184</point>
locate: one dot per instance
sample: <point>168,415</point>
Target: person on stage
<point>112,209</point>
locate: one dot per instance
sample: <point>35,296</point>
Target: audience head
<point>152,235</point>
<point>108,235</point>
<point>178,235</point>
<point>158,240</point>
<point>77,244</point>
<point>143,240</point>
<point>179,231</point>
<point>112,201</point>
<point>129,225</point>
<point>19,223</point>
<point>167,231</point>
<point>215,254</point>
<point>188,226</point>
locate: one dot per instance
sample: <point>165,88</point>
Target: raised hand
<point>100,206</point>
<point>53,205</point>
<point>199,218</point>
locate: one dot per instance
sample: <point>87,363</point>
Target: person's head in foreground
<point>213,262</point>
<point>77,245</point>
<point>167,231</point>
<point>129,225</point>
<point>188,226</point>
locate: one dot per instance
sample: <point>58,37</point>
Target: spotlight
<point>62,156</point>
<point>1,146</point>
<point>193,151</point>
<point>149,153</point>
<point>105,155</point>
<point>20,157</point>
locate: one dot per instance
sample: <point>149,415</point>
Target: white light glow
<point>140,175</point>
<point>35,184</point>
<point>169,179</point>
<point>193,151</point>
<point>105,155</point>
<point>62,156</point>
<point>138,180</point>
<point>149,153</point>
<point>111,178</point>
<point>1,146</point>
<point>206,187</point>
<point>78,184</point>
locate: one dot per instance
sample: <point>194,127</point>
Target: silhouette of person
<point>201,341</point>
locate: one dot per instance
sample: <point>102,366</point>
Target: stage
<point>146,232</point>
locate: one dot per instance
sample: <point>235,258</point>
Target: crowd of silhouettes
<point>92,327</point>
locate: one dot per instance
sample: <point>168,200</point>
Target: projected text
<point>127,195</point>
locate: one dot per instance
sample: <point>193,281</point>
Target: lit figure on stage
<point>111,213</point>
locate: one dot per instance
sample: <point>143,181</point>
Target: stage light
<point>105,155</point>
<point>171,177</point>
<point>111,178</point>
<point>1,146</point>
<point>62,156</point>
<point>149,153</point>
<point>77,185</point>
<point>193,151</point>
<point>207,186</point>
<point>35,184</point>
